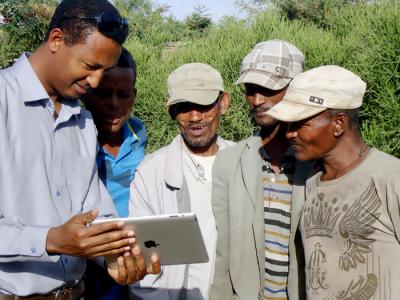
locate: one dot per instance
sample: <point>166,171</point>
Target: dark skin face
<point>261,100</point>
<point>74,69</point>
<point>313,138</point>
<point>111,102</point>
<point>198,124</point>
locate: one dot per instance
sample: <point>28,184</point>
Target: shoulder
<point>236,150</point>
<point>230,156</point>
<point>383,166</point>
<point>138,127</point>
<point>154,160</point>
<point>136,124</point>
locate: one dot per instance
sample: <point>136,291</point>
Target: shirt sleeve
<point>140,201</point>
<point>18,240</point>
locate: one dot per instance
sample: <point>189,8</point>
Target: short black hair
<point>126,60</point>
<point>354,116</point>
<point>70,16</point>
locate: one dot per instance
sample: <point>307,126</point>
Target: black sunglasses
<point>107,23</point>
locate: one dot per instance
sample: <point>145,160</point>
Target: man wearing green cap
<point>350,223</point>
<point>177,178</point>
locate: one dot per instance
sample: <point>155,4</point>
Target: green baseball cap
<point>196,83</point>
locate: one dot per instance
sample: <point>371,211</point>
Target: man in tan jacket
<point>258,190</point>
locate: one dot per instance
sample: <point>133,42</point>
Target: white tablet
<point>175,239</point>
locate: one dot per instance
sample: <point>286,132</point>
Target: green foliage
<point>198,21</point>
<point>26,24</point>
<point>363,38</point>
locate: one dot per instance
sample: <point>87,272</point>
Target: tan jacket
<point>238,206</point>
<point>159,187</point>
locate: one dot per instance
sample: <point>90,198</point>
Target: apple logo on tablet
<point>150,244</point>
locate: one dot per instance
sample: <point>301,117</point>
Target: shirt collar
<point>128,132</point>
<point>33,90</point>
<point>30,86</point>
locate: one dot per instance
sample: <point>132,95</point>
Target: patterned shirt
<point>350,229</point>
<point>277,210</point>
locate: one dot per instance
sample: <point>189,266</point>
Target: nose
<point>113,103</point>
<point>291,131</point>
<point>255,99</point>
<point>94,78</point>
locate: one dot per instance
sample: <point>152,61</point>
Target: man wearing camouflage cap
<point>350,223</point>
<point>258,190</point>
<point>177,177</point>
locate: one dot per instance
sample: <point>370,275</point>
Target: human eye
<point>90,67</point>
<point>124,95</point>
<point>102,93</point>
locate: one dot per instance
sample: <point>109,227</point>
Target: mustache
<point>196,125</point>
<point>257,109</point>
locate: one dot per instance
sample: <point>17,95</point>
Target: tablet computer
<point>175,239</point>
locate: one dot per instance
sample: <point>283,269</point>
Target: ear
<point>340,124</point>
<point>55,40</point>
<point>224,103</point>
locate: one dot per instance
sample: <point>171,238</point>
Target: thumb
<point>88,217</point>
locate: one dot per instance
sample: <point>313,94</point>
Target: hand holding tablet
<point>174,239</point>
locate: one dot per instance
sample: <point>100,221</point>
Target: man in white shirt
<point>177,177</point>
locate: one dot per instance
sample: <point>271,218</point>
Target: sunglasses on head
<point>107,23</point>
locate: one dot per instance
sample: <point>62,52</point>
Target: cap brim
<point>263,79</point>
<point>201,97</point>
<point>288,111</point>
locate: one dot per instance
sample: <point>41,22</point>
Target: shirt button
<point>66,261</point>
<point>33,250</point>
<point>58,193</point>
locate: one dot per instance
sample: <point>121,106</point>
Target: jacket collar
<point>173,172</point>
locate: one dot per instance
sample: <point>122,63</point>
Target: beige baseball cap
<point>196,82</point>
<point>318,89</point>
<point>271,64</point>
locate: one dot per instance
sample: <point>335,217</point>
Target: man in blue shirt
<point>121,148</point>
<point>121,138</point>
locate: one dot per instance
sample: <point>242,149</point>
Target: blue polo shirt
<point>117,172</point>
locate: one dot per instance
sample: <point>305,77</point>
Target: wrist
<point>51,244</point>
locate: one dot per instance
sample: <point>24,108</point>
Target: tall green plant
<point>25,26</point>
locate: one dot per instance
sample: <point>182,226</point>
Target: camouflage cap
<point>271,64</point>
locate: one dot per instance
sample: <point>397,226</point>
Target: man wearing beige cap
<point>350,224</point>
<point>177,178</point>
<point>258,190</point>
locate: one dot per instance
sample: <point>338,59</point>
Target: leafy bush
<point>363,38</point>
<point>25,26</point>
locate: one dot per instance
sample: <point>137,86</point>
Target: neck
<point>346,155</point>
<point>274,141</point>
<point>111,142</point>
<point>209,150</point>
<point>41,64</point>
<point>275,144</point>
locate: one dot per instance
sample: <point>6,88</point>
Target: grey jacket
<point>239,213</point>
<point>159,187</point>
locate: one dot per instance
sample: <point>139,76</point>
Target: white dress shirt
<point>47,175</point>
